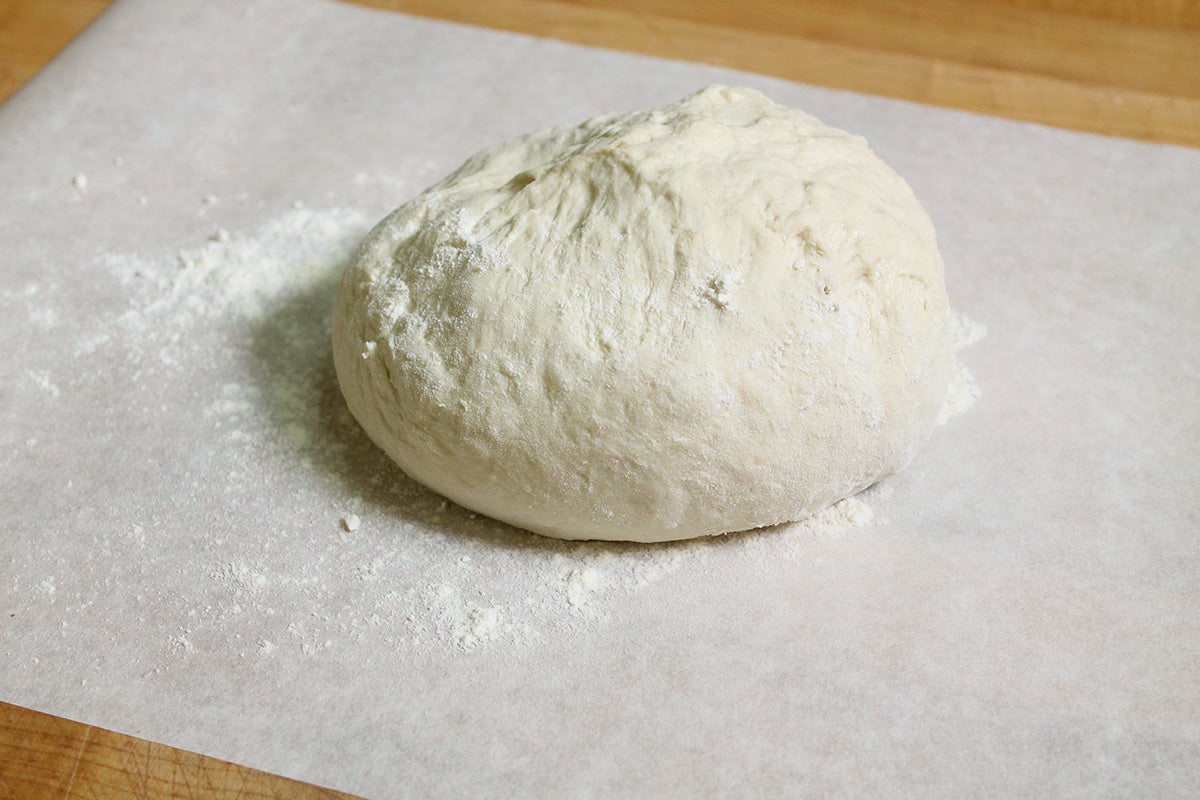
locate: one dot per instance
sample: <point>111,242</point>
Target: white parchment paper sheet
<point>1021,617</point>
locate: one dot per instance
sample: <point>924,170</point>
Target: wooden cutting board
<point>1122,67</point>
<point>43,757</point>
<point>1110,66</point>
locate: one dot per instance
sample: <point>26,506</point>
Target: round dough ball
<point>712,316</point>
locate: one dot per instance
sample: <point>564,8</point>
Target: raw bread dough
<point>712,316</point>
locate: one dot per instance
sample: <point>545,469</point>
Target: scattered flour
<point>582,584</point>
<point>241,579</point>
<point>963,390</point>
<point>243,274</point>
<point>852,512</point>
<point>225,345</point>
<point>41,379</point>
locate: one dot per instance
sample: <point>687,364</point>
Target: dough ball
<point>712,316</point>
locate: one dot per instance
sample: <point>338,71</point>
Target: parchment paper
<point>1020,618</point>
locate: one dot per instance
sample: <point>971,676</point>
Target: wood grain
<point>49,758</point>
<point>1125,75</point>
<point>33,31</point>
<point>1121,67</point>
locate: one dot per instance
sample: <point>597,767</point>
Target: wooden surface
<point>1122,67</point>
<point>32,31</point>
<point>44,757</point>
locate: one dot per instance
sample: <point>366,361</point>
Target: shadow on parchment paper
<point>291,357</point>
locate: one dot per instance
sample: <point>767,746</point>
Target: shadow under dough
<point>290,361</point>
<point>291,365</point>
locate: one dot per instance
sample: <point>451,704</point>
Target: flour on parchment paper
<point>295,534</point>
<point>963,390</point>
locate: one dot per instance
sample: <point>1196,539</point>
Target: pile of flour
<point>275,526</point>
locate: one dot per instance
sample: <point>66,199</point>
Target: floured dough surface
<point>713,316</point>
